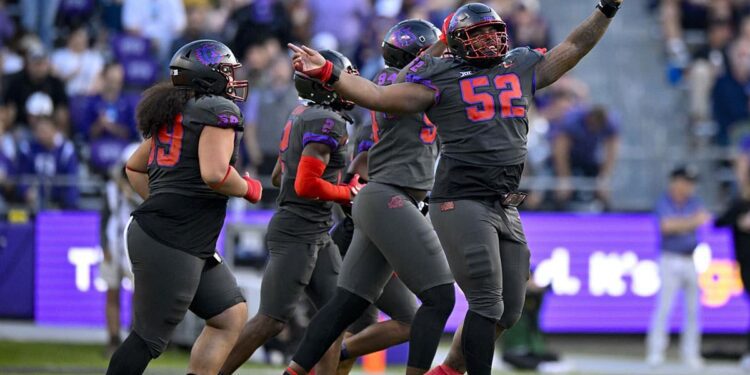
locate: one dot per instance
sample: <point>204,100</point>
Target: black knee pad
<point>131,357</point>
<point>441,297</point>
<point>428,324</point>
<point>509,319</point>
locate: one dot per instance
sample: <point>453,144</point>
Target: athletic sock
<point>478,341</point>
<point>341,311</point>
<point>428,324</point>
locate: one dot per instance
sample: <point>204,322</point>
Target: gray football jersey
<point>481,115</point>
<point>405,147</point>
<point>362,139</point>
<point>173,162</point>
<point>311,124</point>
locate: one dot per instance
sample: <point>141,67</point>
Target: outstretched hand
<point>306,60</point>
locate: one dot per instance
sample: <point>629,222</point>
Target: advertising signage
<point>601,271</point>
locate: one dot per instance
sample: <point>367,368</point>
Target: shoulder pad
<point>523,57</point>
<point>215,111</point>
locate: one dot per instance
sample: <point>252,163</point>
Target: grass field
<point>48,358</point>
<point>55,358</point>
<point>27,358</point>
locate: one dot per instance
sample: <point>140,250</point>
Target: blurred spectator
<point>111,14</point>
<point>536,171</point>
<point>266,112</point>
<point>256,22</point>
<point>77,64</point>
<point>136,55</point>
<point>524,346</point>
<point>111,119</point>
<point>737,217</point>
<point>121,200</point>
<point>349,16</point>
<point>685,23</point>
<point>257,59</point>
<point>7,28</point>
<point>159,20</point>
<point>709,63</point>
<point>50,159</point>
<point>73,13</point>
<point>742,162</point>
<point>527,27</point>
<point>585,146</point>
<point>680,213</point>
<point>7,164</point>
<point>730,93</point>
<point>301,18</point>
<point>38,16</point>
<point>35,77</point>
<point>197,25</point>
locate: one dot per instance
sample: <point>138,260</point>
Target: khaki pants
<point>677,273</point>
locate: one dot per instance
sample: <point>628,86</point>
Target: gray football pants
<point>488,254</point>
<point>391,234</point>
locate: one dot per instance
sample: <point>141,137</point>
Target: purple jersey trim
<point>533,83</point>
<point>319,138</point>
<point>364,146</point>
<point>414,78</point>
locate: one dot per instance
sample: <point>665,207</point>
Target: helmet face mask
<point>209,67</point>
<point>235,89</point>
<point>478,35</point>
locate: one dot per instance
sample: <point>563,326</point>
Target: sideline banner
<point>602,272</point>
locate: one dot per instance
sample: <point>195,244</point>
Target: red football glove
<point>254,189</point>
<point>446,22</point>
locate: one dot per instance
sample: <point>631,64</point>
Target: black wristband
<point>608,7</point>
<point>335,75</point>
<point>347,177</point>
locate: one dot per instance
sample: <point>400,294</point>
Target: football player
<point>479,100</point>
<point>303,258</point>
<point>184,172</point>
<point>390,232</point>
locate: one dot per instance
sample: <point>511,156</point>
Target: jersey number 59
<point>481,105</point>
<point>166,145</point>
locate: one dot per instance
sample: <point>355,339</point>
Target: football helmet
<point>468,39</point>
<point>406,40</point>
<point>320,93</point>
<point>208,67</point>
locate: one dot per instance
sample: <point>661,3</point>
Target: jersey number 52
<point>482,105</point>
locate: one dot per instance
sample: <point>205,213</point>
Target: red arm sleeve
<point>309,184</point>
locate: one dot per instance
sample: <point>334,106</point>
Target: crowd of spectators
<point>72,72</point>
<point>707,45</point>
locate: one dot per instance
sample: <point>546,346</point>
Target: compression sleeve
<point>309,184</point>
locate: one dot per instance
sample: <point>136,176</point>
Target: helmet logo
<point>207,54</point>
<point>404,37</point>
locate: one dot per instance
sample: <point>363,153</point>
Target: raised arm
<point>567,54</point>
<point>398,98</point>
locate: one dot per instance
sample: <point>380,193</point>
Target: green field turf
<point>54,358</point>
<point>47,358</point>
